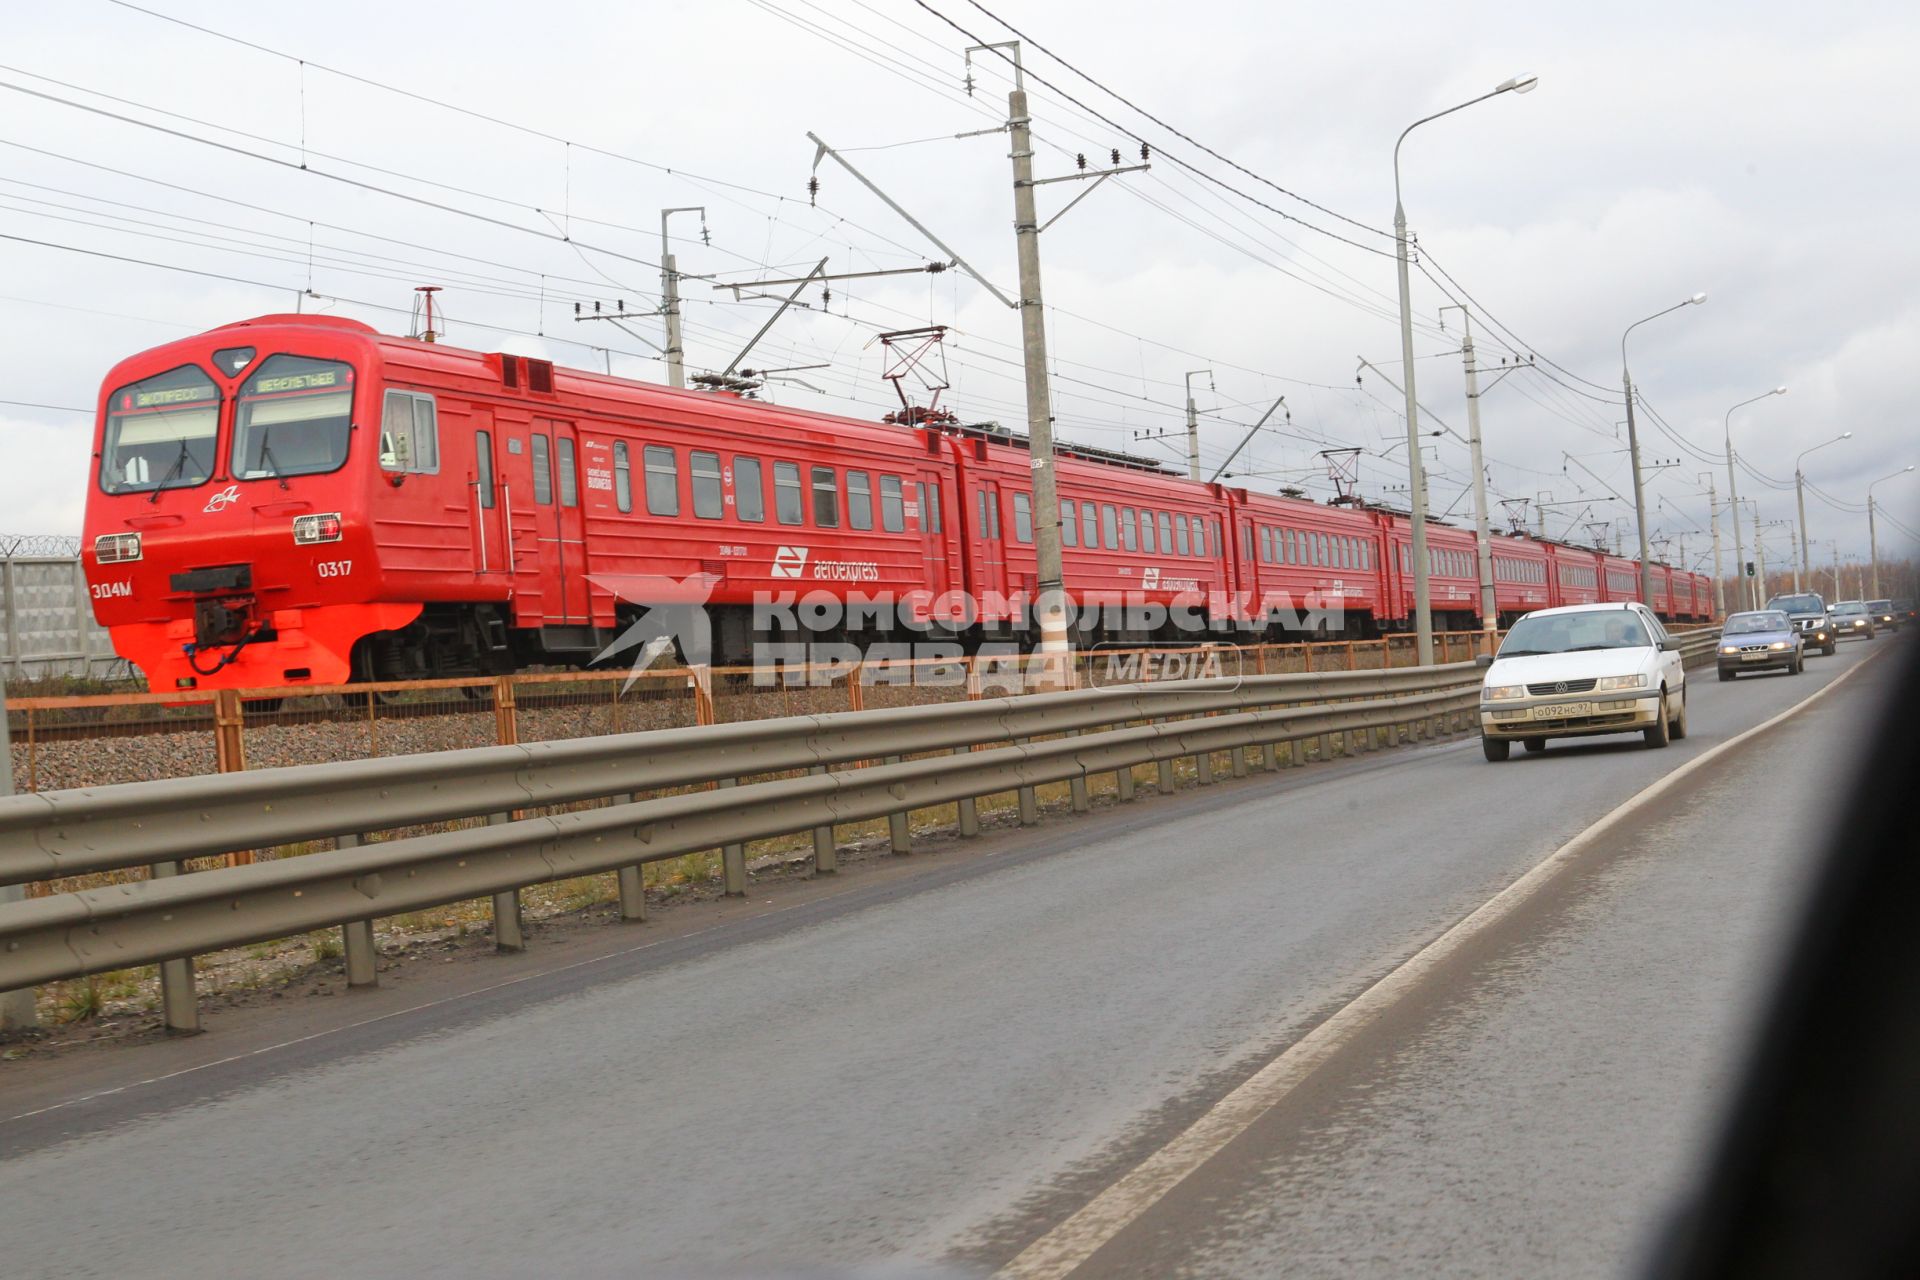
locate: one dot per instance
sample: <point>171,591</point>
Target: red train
<point>300,499</point>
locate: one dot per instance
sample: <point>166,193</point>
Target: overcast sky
<point>1768,160</point>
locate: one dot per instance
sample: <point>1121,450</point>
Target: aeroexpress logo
<point>222,500</point>
<point>790,562</point>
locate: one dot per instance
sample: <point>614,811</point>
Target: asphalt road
<point>922,1082</point>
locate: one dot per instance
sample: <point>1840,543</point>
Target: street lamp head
<point>1846,435</point>
<point>1698,298</point>
<point>1778,391</point>
<point>1519,84</point>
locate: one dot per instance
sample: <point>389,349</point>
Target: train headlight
<point>116,548</point>
<point>312,529</point>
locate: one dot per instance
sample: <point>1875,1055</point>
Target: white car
<point>1579,671</point>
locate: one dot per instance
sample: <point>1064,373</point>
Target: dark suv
<point>1808,610</point>
<point>1884,614</point>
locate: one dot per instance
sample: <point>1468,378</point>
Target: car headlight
<point>1729,648</point>
<point>1620,682</point>
<point>1778,644</point>
<point>1502,692</point>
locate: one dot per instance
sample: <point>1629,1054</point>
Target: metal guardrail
<point>990,746</point>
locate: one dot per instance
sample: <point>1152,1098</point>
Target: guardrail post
<point>733,860</point>
<point>899,834</point>
<point>1239,758</point>
<point>1325,748</point>
<point>1081,801</point>
<point>179,1006</point>
<point>633,893</point>
<point>1029,802</point>
<point>1163,776</point>
<point>1123,783</point>
<point>17,1008</point>
<point>826,855</point>
<point>1203,767</point>
<point>356,937</point>
<point>509,932</point>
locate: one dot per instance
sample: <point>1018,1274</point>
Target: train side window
<point>542,470</point>
<point>1089,525</point>
<point>1166,534</point>
<point>749,500</point>
<point>1147,543</point>
<point>893,511</point>
<point>1216,545</point>
<point>1069,524</point>
<point>1293,552</point>
<point>788,508</point>
<point>622,476</point>
<point>569,473</point>
<point>1109,527</point>
<point>663,480</point>
<point>1022,516</point>
<point>932,504</point>
<point>826,499</point>
<point>1129,536</point>
<point>859,500</point>
<point>1246,542</point>
<point>1180,527</point>
<point>1199,535</point>
<point>1266,545</point>
<point>483,467</point>
<point>704,470</point>
<point>409,434</point>
<point>990,503</point>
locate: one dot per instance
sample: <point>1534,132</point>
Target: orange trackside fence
<point>98,740</point>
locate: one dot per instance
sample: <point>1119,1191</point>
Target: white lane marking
<point>1061,1251</point>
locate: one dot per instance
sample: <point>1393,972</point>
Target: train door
<point>484,483</point>
<point>563,538</point>
<point>926,498</point>
<point>993,556</point>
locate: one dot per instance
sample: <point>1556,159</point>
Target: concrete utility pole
<point>1733,490</point>
<point>1193,425</point>
<point>1489,613</point>
<point>1050,602</point>
<point>670,297</point>
<point>1873,536</point>
<point>1719,574</point>
<point>1800,499</point>
<point>17,1010</point>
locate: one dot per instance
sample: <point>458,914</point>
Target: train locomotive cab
<point>226,538</point>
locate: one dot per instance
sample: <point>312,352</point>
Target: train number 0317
<point>334,568</point>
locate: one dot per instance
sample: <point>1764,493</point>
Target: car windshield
<point>1880,606</point>
<point>1741,624</point>
<point>1574,633</point>
<point>1796,604</point>
<point>1849,606</point>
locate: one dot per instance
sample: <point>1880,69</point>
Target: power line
<point>1139,110</point>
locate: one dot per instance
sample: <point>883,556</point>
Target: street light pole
<point>1633,446</point>
<point>1719,576</point>
<point>1416,470</point>
<point>1733,490</point>
<point>1873,538</point>
<point>1800,499</point>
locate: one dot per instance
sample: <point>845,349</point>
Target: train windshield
<point>293,418</point>
<point>160,432</point>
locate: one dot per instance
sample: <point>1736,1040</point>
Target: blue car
<point>1764,640</point>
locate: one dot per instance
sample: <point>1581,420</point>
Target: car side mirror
<point>1483,660</point>
<point>1670,645</point>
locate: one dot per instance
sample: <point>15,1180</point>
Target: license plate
<point>1561,710</point>
<point>1753,657</point>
